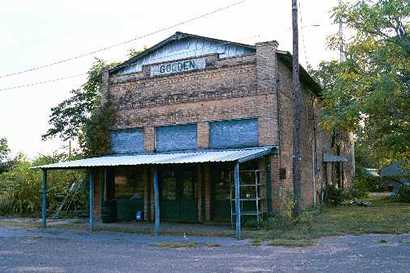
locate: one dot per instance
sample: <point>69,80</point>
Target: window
<point>176,137</point>
<point>127,141</point>
<point>234,133</point>
<point>129,183</point>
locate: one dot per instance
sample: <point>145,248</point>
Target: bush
<point>333,196</point>
<point>404,194</point>
<point>354,193</point>
<point>365,183</point>
<point>282,222</point>
<point>20,186</point>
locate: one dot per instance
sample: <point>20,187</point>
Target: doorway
<point>177,194</point>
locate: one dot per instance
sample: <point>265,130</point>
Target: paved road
<point>23,250</point>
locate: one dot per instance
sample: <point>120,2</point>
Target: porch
<point>218,186</point>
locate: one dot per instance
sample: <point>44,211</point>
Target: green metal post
<point>43,193</point>
<point>91,199</point>
<point>237,182</point>
<point>156,198</point>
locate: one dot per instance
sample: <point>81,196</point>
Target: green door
<point>221,191</point>
<point>177,195</point>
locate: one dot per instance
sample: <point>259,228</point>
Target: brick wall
<point>254,86</point>
<point>227,90</point>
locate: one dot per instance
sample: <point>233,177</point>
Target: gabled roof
<point>396,169</point>
<point>284,56</point>
<point>176,36</point>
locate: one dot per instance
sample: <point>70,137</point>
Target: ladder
<point>251,199</point>
<point>71,196</point>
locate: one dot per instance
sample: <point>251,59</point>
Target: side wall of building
<point>315,143</point>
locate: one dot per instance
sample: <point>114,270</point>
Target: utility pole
<point>297,114</point>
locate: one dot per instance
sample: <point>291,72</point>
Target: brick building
<point>197,120</point>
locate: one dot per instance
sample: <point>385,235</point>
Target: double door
<point>177,194</point>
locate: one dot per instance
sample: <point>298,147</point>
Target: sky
<point>38,32</point>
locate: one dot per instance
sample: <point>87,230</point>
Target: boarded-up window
<point>176,137</point>
<point>234,133</point>
<point>127,141</point>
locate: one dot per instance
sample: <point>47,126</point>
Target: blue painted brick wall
<point>176,137</point>
<point>233,133</point>
<point>127,141</point>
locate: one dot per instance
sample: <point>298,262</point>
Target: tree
<point>369,93</point>
<point>4,149</point>
<point>82,117</point>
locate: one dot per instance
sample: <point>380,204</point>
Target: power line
<point>35,68</point>
<point>42,82</point>
<point>179,54</point>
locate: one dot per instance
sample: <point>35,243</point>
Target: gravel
<point>52,250</point>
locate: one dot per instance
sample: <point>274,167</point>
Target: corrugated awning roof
<point>201,156</point>
<point>334,158</point>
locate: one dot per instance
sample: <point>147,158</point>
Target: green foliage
<point>20,186</point>
<point>369,92</point>
<point>302,223</point>
<point>355,192</point>
<point>363,182</point>
<point>96,139</point>
<point>4,149</point>
<point>404,194</point>
<point>333,196</point>
<point>83,116</point>
<point>78,116</point>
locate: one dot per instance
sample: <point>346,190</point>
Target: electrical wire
<point>182,54</point>
<point>90,53</point>
<point>42,82</point>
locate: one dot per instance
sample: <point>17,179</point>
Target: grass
<point>384,216</point>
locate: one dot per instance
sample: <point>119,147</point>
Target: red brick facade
<point>251,86</point>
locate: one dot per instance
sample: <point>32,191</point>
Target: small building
<point>203,133</point>
<point>394,176</point>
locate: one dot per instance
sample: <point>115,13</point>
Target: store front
<point>187,187</point>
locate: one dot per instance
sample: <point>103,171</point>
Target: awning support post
<point>91,199</point>
<point>43,193</point>
<point>237,182</point>
<point>156,199</point>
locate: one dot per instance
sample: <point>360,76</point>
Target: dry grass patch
<point>383,217</point>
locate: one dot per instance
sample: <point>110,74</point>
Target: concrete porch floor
<point>167,228</point>
<point>209,229</point>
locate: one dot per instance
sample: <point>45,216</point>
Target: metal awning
<point>200,156</point>
<point>334,158</point>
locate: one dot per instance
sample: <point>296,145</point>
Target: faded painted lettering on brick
<point>178,67</point>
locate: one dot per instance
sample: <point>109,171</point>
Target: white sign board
<point>177,67</point>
